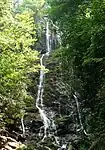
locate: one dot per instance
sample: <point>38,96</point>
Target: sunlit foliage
<point>17,61</point>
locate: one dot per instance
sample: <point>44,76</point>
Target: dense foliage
<point>81,58</point>
<point>30,5</point>
<point>82,25</point>
<point>17,61</point>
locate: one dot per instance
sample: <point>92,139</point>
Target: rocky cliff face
<point>64,132</point>
<point>65,115</point>
<point>61,106</point>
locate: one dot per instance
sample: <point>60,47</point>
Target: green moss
<point>62,119</point>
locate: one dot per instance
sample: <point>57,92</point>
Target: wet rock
<point>49,143</point>
<point>36,125</point>
<point>63,113</point>
<point>65,125</point>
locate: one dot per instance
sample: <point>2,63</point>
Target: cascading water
<point>47,118</point>
<point>79,114</point>
<point>62,121</point>
<point>39,100</point>
<point>47,39</point>
<point>48,123</point>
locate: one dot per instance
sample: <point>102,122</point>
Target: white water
<point>39,100</point>
<point>23,128</point>
<point>79,114</point>
<point>47,39</point>
<point>47,118</point>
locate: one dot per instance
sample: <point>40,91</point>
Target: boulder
<point>8,143</point>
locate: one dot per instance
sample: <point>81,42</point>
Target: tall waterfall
<point>47,117</point>
<point>39,100</point>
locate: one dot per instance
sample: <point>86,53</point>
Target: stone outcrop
<point>8,143</point>
<point>57,101</point>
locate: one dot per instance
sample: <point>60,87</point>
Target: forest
<point>52,74</point>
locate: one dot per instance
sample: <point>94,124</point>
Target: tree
<point>82,27</point>
<point>17,61</point>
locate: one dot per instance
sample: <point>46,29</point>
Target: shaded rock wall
<point>58,101</point>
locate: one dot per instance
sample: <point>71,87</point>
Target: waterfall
<point>47,39</point>
<point>39,100</point>
<point>46,115</point>
<point>79,114</point>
